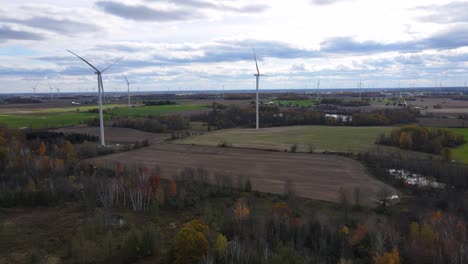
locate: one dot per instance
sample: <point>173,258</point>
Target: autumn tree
<point>191,243</point>
<point>387,257</point>
<point>241,209</point>
<point>42,149</point>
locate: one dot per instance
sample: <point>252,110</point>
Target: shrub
<point>293,148</point>
<point>130,249</point>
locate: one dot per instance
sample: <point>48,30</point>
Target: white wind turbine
<point>35,89</point>
<point>318,90</point>
<point>100,93</point>
<point>128,89</point>
<point>257,77</point>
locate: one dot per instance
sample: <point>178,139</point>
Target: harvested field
<point>314,176</point>
<point>443,122</point>
<point>116,134</point>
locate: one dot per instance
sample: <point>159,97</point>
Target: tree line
<point>270,116</point>
<point>418,138</point>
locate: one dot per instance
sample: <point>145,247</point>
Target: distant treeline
<point>242,96</point>
<point>51,137</point>
<point>341,102</point>
<point>159,102</point>
<point>423,139</point>
<point>235,116</point>
<point>19,100</point>
<point>160,124</point>
<point>292,96</point>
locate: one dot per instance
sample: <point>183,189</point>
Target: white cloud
<point>204,43</point>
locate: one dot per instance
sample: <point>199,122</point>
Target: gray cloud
<point>454,12</point>
<point>7,33</point>
<point>63,26</point>
<point>145,13</point>
<point>452,38</point>
<point>221,51</point>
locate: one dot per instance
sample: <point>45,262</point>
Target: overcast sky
<point>207,44</point>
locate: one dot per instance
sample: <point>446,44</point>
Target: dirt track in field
<point>314,176</point>
<point>116,134</point>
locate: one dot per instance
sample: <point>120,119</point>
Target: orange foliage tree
<point>241,209</point>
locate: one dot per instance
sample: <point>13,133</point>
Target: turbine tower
<point>128,89</point>
<point>257,77</point>
<point>58,92</point>
<point>51,92</point>
<point>100,93</point>
<point>35,89</point>
<point>318,90</point>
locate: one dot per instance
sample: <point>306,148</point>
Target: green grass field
<point>67,116</point>
<point>296,102</point>
<point>322,138</point>
<point>460,154</point>
<point>74,109</point>
<point>45,120</point>
<point>154,110</point>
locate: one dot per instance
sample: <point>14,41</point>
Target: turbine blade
<point>84,61</point>
<point>112,64</point>
<point>256,64</point>
<point>125,78</point>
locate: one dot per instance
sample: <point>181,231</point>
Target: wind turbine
<point>257,77</point>
<point>360,90</point>
<point>128,89</point>
<point>100,93</point>
<point>51,92</point>
<point>58,92</point>
<point>35,89</point>
<point>318,90</point>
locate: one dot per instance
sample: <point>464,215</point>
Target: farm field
<point>67,116</point>
<point>154,110</point>
<point>45,120</point>
<point>321,138</point>
<point>116,134</point>
<point>314,176</point>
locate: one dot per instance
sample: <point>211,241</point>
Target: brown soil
<point>313,176</point>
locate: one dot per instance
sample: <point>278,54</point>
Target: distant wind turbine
<point>100,93</point>
<point>51,92</point>
<point>257,77</point>
<point>318,90</point>
<point>58,92</point>
<point>128,89</point>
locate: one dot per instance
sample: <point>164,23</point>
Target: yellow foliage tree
<point>220,245</point>
<point>406,141</point>
<point>345,231</point>
<point>388,257</point>
<point>190,243</point>
<point>414,231</point>
<point>70,150</point>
